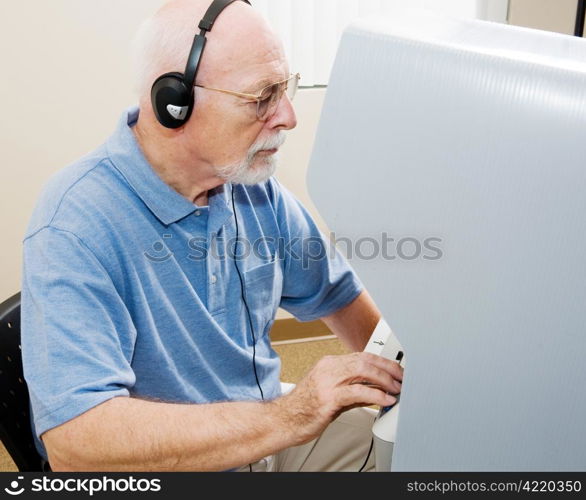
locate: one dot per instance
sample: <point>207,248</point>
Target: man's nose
<point>285,117</point>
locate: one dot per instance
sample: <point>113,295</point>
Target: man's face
<point>225,130</point>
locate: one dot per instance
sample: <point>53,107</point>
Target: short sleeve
<point>317,280</point>
<point>77,335</point>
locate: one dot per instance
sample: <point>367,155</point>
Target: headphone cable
<point>244,297</point>
<point>367,456</point>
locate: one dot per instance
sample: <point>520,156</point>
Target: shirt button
<point>198,213</point>
<point>214,279</point>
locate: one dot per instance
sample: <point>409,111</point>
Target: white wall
<point>311,29</point>
<point>66,80</point>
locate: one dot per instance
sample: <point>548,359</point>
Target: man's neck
<point>173,169</point>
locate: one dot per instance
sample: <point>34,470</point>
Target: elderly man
<point>145,329</point>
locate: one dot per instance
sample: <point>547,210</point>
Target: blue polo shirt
<point>129,289</point>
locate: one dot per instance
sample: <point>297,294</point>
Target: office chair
<point>15,428</point>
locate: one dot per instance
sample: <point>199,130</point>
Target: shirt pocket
<point>263,290</point>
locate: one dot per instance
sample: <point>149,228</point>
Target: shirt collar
<point>220,208</point>
<point>162,200</point>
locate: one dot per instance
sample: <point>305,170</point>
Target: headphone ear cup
<point>172,101</point>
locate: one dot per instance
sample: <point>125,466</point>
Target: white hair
<point>161,45</point>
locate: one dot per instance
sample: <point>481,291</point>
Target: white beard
<point>246,172</point>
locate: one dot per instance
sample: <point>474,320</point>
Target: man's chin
<point>257,177</point>
<point>252,177</point>
<point>257,172</point>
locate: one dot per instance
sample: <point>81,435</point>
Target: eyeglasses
<point>268,99</point>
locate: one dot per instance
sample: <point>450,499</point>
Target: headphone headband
<point>205,25</point>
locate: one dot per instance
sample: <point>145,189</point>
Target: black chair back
<point>15,427</point>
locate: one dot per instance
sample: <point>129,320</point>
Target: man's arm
<point>125,434</point>
<point>354,324</point>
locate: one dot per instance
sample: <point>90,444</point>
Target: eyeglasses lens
<point>266,104</point>
<point>271,97</point>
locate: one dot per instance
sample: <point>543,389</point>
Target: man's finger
<point>368,374</point>
<point>363,395</point>
<point>387,365</point>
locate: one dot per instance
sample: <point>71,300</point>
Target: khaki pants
<point>343,447</point>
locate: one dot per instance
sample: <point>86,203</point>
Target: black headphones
<point>172,94</point>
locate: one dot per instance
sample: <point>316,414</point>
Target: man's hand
<point>337,384</point>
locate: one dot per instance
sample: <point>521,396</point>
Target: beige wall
<point>550,15</point>
<point>297,150</point>
<point>66,80</point>
<point>66,72</point>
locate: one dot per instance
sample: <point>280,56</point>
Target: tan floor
<point>6,463</point>
<point>297,360</point>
